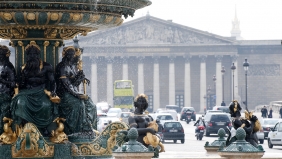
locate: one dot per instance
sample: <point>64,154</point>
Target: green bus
<point>123,94</point>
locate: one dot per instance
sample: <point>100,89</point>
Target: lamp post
<point>214,80</point>
<point>233,67</point>
<point>209,97</point>
<point>222,71</point>
<point>246,66</point>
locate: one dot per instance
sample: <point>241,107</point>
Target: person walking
<point>264,112</point>
<point>270,113</point>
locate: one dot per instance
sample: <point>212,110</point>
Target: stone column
<point>236,92</point>
<point>187,82</point>
<point>110,82</point>
<point>218,80</point>
<point>140,75</point>
<point>94,80</point>
<point>171,82</point>
<point>156,91</point>
<point>203,82</point>
<point>125,68</point>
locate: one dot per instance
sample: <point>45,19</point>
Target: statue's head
<point>141,103</point>
<point>4,52</point>
<point>32,51</point>
<point>68,53</point>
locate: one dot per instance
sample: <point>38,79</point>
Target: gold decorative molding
<point>31,143</point>
<point>8,136</point>
<point>8,16</point>
<point>54,16</point>
<point>108,19</point>
<point>46,43</point>
<point>50,33</point>
<point>30,16</point>
<point>58,136</point>
<point>20,43</point>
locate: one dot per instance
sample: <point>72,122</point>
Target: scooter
<point>200,132</point>
<point>188,117</point>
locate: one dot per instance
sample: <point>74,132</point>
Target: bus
<point>123,94</point>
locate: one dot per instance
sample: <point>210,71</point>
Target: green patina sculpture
<point>214,146</point>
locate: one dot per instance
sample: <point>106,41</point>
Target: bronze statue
<point>32,104</point>
<point>77,108</point>
<point>7,83</point>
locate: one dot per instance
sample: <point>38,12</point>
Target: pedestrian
<point>270,113</point>
<point>264,112</point>
<point>280,112</point>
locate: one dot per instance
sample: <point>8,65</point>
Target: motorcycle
<point>200,132</point>
<point>188,116</point>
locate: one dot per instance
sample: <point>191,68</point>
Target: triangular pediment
<point>149,30</point>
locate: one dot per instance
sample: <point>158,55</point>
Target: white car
<point>163,117</point>
<point>104,122</point>
<point>275,135</point>
<point>172,112</point>
<point>114,112</point>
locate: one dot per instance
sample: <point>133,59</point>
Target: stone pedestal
<point>214,146</point>
<point>133,155</point>
<point>244,155</point>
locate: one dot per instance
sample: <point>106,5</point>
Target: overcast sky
<point>259,19</point>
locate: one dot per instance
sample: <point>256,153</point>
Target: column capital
<point>125,59</point>
<point>203,58</point>
<point>140,59</point>
<point>93,59</point>
<point>187,58</point>
<point>218,58</point>
<point>234,58</point>
<point>109,59</point>
<point>171,58</point>
<point>156,58</point>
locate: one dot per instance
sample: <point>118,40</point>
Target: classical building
<point>175,64</point>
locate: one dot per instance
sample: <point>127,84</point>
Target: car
<point>267,124</point>
<point>215,121</point>
<point>104,106</point>
<point>183,115</point>
<point>116,112</point>
<point>170,111</point>
<point>173,130</point>
<point>260,135</point>
<point>103,122</point>
<point>100,113</point>
<point>223,108</point>
<point>163,117</point>
<point>124,116</point>
<point>275,135</point>
<point>173,107</point>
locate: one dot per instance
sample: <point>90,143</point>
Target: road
<point>195,147</point>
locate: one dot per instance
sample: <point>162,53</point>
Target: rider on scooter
<point>200,121</point>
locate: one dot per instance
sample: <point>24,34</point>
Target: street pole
<point>246,66</point>
<point>233,67</point>
<point>222,71</point>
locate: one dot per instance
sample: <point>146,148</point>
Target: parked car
<point>103,122</point>
<point>124,116</point>
<point>163,117</point>
<point>173,130</point>
<point>172,112</point>
<point>183,115</point>
<point>260,135</point>
<point>223,108</point>
<point>267,124</point>
<point>215,121</point>
<point>275,135</point>
<point>104,106</point>
<point>116,112</point>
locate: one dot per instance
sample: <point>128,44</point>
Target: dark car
<point>184,110</point>
<point>173,130</point>
<point>215,121</point>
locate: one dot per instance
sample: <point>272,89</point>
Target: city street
<point>193,147</point>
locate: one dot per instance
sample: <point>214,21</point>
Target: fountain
<point>46,24</point>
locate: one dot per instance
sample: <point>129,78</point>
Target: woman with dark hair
<point>78,109</point>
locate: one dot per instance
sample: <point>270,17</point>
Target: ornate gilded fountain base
<point>30,144</point>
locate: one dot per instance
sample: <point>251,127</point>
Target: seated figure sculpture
<point>78,109</point>
<point>32,104</point>
<point>7,84</point>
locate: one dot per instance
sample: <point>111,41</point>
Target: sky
<point>259,19</point>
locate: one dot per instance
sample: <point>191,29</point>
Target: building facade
<point>175,64</point>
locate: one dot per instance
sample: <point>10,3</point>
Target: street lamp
<point>233,67</point>
<point>222,71</point>
<point>214,80</point>
<point>246,66</point>
<point>209,97</point>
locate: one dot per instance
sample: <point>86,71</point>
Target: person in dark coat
<point>270,113</point>
<point>264,112</point>
<point>235,109</point>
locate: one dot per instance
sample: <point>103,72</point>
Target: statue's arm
<point>141,131</point>
<point>51,78</point>
<point>66,82</point>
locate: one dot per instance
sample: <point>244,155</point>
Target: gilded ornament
<point>108,19</point>
<point>95,18</point>
<point>30,16</point>
<point>76,17</point>
<point>8,136</point>
<point>8,16</point>
<point>54,16</point>
<point>151,139</point>
<point>32,43</point>
<point>58,136</point>
<point>66,49</point>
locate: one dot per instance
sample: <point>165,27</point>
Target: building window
<point>179,100</point>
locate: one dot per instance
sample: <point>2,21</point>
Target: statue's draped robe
<point>5,100</point>
<point>34,106</point>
